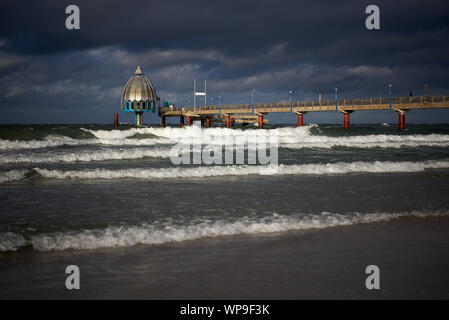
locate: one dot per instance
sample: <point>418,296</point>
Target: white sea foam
<point>296,138</point>
<point>234,170</point>
<point>12,175</point>
<point>58,141</point>
<point>124,236</point>
<point>240,170</point>
<point>368,141</point>
<point>48,142</point>
<point>10,241</point>
<point>86,156</point>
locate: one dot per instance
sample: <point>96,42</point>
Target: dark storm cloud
<point>270,46</point>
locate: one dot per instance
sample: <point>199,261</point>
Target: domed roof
<point>139,88</point>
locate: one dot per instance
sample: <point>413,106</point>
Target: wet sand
<point>412,254</point>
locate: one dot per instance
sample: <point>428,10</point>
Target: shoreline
<point>326,263</point>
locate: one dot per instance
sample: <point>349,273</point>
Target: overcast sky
<point>49,74</point>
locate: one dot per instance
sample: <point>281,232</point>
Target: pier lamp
<point>389,92</point>
<point>252,99</point>
<point>291,102</point>
<point>336,98</point>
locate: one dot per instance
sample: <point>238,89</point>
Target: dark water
<point>71,190</point>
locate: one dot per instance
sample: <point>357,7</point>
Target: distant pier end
<point>139,96</point>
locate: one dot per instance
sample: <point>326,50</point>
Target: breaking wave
<point>86,156</point>
<point>48,142</point>
<point>295,138</point>
<point>233,170</point>
<point>59,141</point>
<point>159,233</point>
<point>369,141</point>
<point>12,175</point>
<point>241,170</point>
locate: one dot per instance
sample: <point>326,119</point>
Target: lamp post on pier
<point>252,99</point>
<point>389,92</point>
<point>336,98</point>
<point>291,101</point>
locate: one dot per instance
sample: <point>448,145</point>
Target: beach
<point>318,264</point>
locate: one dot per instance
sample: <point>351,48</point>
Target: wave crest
<point>87,156</point>
<point>241,170</point>
<point>294,138</point>
<point>147,234</point>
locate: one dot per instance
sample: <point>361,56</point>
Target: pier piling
<point>346,122</point>
<point>228,121</point>
<point>401,120</point>
<point>300,119</point>
<point>115,119</point>
<point>261,121</point>
<point>181,121</point>
<point>163,122</point>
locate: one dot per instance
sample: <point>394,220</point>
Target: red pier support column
<point>261,121</point>
<point>163,122</point>
<point>300,119</point>
<point>181,121</point>
<point>228,121</point>
<point>208,122</point>
<point>401,120</point>
<point>115,119</point>
<point>189,121</point>
<point>346,115</point>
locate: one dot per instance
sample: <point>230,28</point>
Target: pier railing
<point>316,105</point>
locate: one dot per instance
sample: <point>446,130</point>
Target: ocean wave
<point>148,234</point>
<point>368,141</point>
<point>229,170</point>
<point>241,170</point>
<point>59,141</point>
<point>87,156</point>
<point>49,142</point>
<point>12,175</point>
<point>294,138</point>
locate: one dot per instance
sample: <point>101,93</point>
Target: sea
<point>112,201</point>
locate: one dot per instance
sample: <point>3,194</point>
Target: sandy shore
<point>412,254</point>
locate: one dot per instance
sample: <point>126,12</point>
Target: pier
<point>244,113</point>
